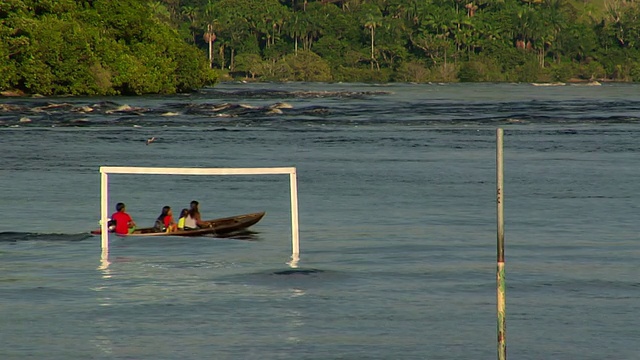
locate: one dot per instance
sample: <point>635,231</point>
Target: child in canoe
<point>124,224</point>
<point>165,222</point>
<point>183,216</point>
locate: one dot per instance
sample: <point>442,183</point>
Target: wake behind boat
<point>220,226</point>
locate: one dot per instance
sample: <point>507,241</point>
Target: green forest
<point>103,47</point>
<point>138,47</point>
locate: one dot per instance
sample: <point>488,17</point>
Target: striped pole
<point>501,300</point>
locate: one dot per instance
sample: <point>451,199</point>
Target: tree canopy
<point>421,40</point>
<point>160,46</point>
<point>100,47</point>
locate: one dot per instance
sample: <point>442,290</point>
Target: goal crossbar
<point>104,191</point>
<point>195,171</point>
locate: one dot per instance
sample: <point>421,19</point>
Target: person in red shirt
<point>165,221</point>
<point>124,222</point>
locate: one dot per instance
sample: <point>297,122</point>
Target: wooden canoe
<point>220,226</point>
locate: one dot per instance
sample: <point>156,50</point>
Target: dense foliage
<point>414,40</point>
<point>160,46</point>
<point>99,47</point>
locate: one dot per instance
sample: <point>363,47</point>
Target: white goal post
<point>104,191</point>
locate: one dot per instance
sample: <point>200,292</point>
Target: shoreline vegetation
<point>130,47</point>
<point>102,47</point>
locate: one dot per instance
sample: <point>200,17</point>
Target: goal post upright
<point>104,191</point>
<point>295,241</point>
<point>104,210</point>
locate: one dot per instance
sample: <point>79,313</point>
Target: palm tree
<point>523,23</point>
<point>172,7</point>
<point>158,9</point>
<point>296,28</point>
<point>371,23</point>
<point>311,30</point>
<point>210,37</point>
<point>191,13</point>
<point>556,21</point>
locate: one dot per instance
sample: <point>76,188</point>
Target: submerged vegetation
<point>135,47</point>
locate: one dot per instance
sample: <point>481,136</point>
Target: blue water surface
<point>397,215</point>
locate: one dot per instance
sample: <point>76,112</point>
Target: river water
<point>397,219</point>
